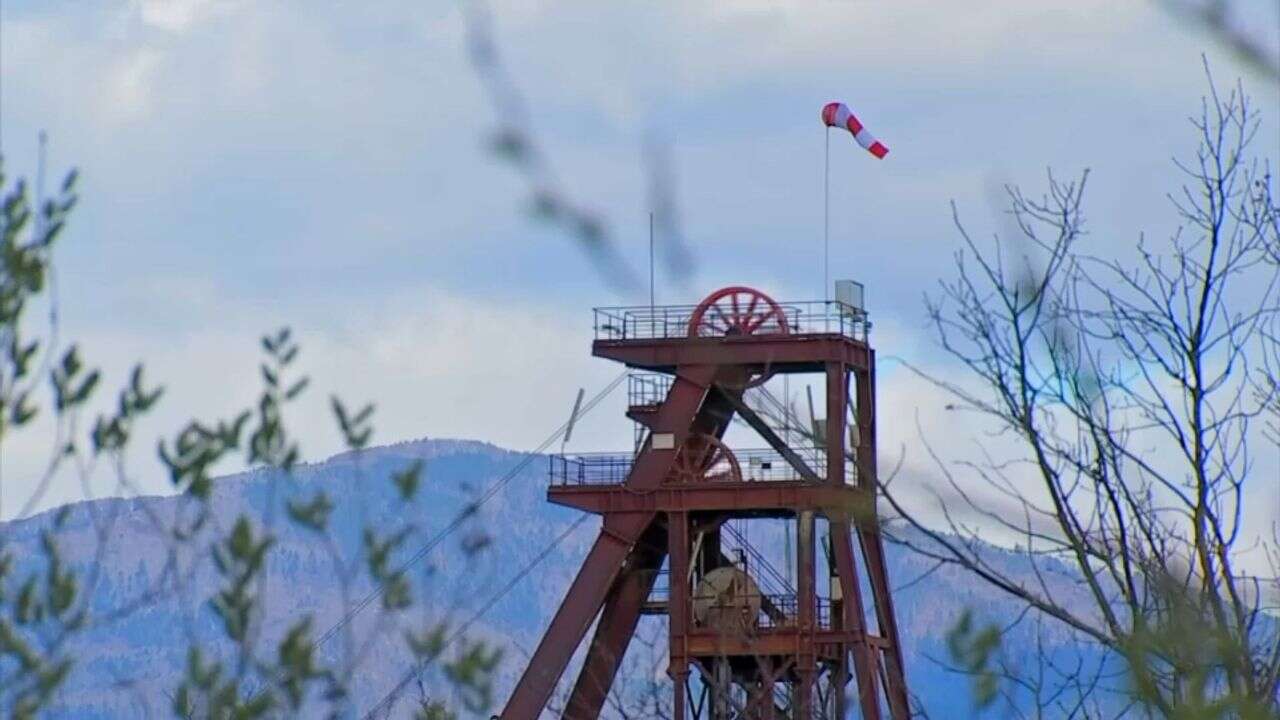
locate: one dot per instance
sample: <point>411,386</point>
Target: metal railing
<point>789,613</point>
<point>764,465</point>
<point>645,389</point>
<point>768,465</point>
<point>809,317</point>
<point>755,563</point>
<point>787,423</point>
<point>785,607</point>
<point>777,609</point>
<point>590,468</point>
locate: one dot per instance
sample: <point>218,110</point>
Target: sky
<point>248,165</point>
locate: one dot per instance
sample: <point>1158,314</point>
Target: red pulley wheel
<point>735,311</point>
<point>703,458</point>
<point>738,311</point>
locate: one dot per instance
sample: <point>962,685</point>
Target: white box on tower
<point>849,294</point>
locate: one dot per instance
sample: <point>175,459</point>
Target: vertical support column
<point>680,680</point>
<point>766,689</point>
<point>865,657</point>
<point>722,686</point>
<point>678,605</point>
<point>806,598</point>
<point>840,684</point>
<point>837,414</point>
<point>864,414</point>
<point>868,528</point>
<point>838,678</point>
<point>837,394</point>
<point>895,676</point>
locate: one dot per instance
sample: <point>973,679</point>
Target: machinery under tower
<point>744,643</point>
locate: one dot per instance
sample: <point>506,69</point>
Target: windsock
<point>838,115</point>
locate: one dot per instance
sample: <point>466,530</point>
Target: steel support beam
<point>791,353</point>
<point>895,674</point>
<point>806,662</point>
<point>779,445</point>
<point>780,496</point>
<point>778,641</point>
<point>680,683</point>
<point>617,537</point>
<point>617,624</point>
<point>837,392</point>
<point>678,603</point>
<point>854,617</point>
<point>868,527</point>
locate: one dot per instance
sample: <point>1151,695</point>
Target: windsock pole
<point>837,114</point>
<point>826,216</point>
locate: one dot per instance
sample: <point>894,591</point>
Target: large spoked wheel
<point>703,458</point>
<point>735,311</point>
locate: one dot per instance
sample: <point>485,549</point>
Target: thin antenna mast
<point>652,304</point>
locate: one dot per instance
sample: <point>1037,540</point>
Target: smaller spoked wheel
<point>703,458</point>
<point>737,311</point>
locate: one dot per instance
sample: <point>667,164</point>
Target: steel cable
<point>390,697</point>
<point>469,511</point>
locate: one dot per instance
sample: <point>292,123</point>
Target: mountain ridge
<point>126,669</point>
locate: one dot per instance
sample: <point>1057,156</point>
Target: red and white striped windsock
<point>838,115</point>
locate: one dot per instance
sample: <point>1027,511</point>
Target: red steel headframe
<point>666,512</point>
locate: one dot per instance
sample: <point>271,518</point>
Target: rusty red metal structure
<point>736,651</point>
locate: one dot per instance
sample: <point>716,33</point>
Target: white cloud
<point>434,364</point>
<point>210,121</point>
<point>129,85</point>
<point>175,15</point>
<point>682,50</point>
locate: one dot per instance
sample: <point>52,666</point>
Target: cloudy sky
<point>247,165</point>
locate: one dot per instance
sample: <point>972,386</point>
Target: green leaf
<point>313,514</point>
<point>23,411</point>
<point>86,388</point>
<point>428,644</point>
<point>297,389</point>
<point>472,675</point>
<point>435,710</point>
<point>297,661</point>
<point>408,480</point>
<point>140,399</point>
<point>396,593</point>
<point>355,429</point>
<point>21,357</point>
<point>241,543</point>
<point>29,608</point>
<point>975,650</point>
<point>71,362</point>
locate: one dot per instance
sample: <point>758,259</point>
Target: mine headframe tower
<point>735,650</point>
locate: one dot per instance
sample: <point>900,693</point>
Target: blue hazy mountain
<point>132,659</point>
